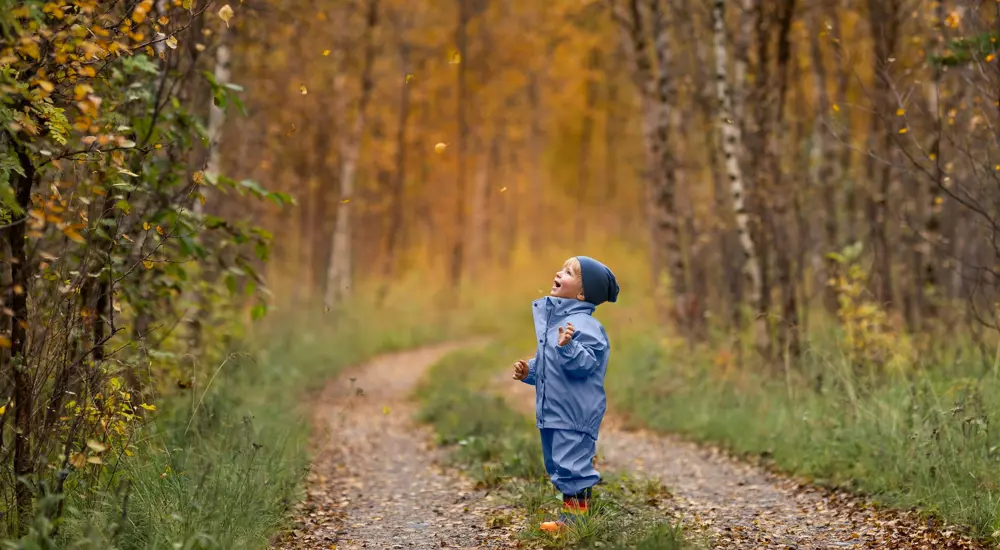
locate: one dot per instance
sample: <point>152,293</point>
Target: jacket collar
<point>565,306</point>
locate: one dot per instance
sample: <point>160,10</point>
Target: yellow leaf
<point>900,112</point>
<point>78,460</point>
<point>159,230</point>
<point>147,264</point>
<point>3,409</point>
<point>4,343</point>
<point>302,88</point>
<point>73,235</point>
<point>836,107</point>
<point>46,85</point>
<point>97,446</point>
<point>326,53</point>
<point>456,58</point>
<point>226,13</point>
<point>409,77</point>
<point>938,200</point>
<point>440,147</point>
<point>385,409</point>
<point>94,460</point>
<point>198,177</point>
<point>502,189</point>
<point>903,130</point>
<point>146,226</point>
<point>172,42</point>
<point>148,407</point>
<point>990,58</point>
<point>163,20</point>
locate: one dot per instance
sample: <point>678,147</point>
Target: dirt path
<point>743,507</point>
<point>377,482</point>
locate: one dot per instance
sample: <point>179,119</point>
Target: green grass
<point>927,439</point>
<point>500,448</point>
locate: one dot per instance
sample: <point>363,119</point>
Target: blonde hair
<point>574,265</point>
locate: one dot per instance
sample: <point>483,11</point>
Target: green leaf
<point>258,311</point>
<point>231,283</point>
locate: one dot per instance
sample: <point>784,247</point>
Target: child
<point>568,374</point>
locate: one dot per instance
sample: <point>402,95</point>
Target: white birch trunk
<point>732,143</point>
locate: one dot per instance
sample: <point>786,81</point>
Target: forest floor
<point>379,482</point>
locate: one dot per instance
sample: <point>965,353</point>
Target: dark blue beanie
<point>599,284</point>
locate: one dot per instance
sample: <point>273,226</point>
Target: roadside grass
<point>500,449</point>
<point>923,438</point>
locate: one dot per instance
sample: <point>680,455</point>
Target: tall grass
<point>923,438</point>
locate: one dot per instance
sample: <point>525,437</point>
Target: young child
<point>568,374</point>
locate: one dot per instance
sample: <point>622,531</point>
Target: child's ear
<point>581,297</point>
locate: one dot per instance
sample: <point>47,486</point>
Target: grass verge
<point>922,439</point>
<point>500,449</point>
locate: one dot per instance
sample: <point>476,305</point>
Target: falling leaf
<point>226,13</point>
<point>503,189</point>
<point>326,53</point>
<point>345,201</point>
<point>990,58</point>
<point>836,108</point>
<point>172,42</point>
<point>385,409</point>
<point>409,77</point>
<point>78,460</point>
<point>440,147</point>
<point>900,112</point>
<point>938,200</point>
<point>97,446</point>
<point>903,130</point>
<point>302,88</point>
<point>456,58</point>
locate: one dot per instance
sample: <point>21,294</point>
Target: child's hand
<point>566,334</point>
<point>520,370</point>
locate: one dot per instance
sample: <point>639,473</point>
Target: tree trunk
<point>396,210</point>
<point>788,334</point>
<point>732,144</point>
<point>23,388</point>
<point>822,162</point>
<point>583,176</point>
<point>458,247</point>
<point>665,181</point>
<point>884,20</point>
<point>338,278</point>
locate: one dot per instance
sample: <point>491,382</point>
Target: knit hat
<point>599,284</point>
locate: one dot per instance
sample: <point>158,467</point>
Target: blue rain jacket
<point>568,380</point>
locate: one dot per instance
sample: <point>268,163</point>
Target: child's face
<point>568,282</point>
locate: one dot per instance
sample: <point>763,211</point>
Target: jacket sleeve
<point>582,356</point>
<point>530,379</point>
